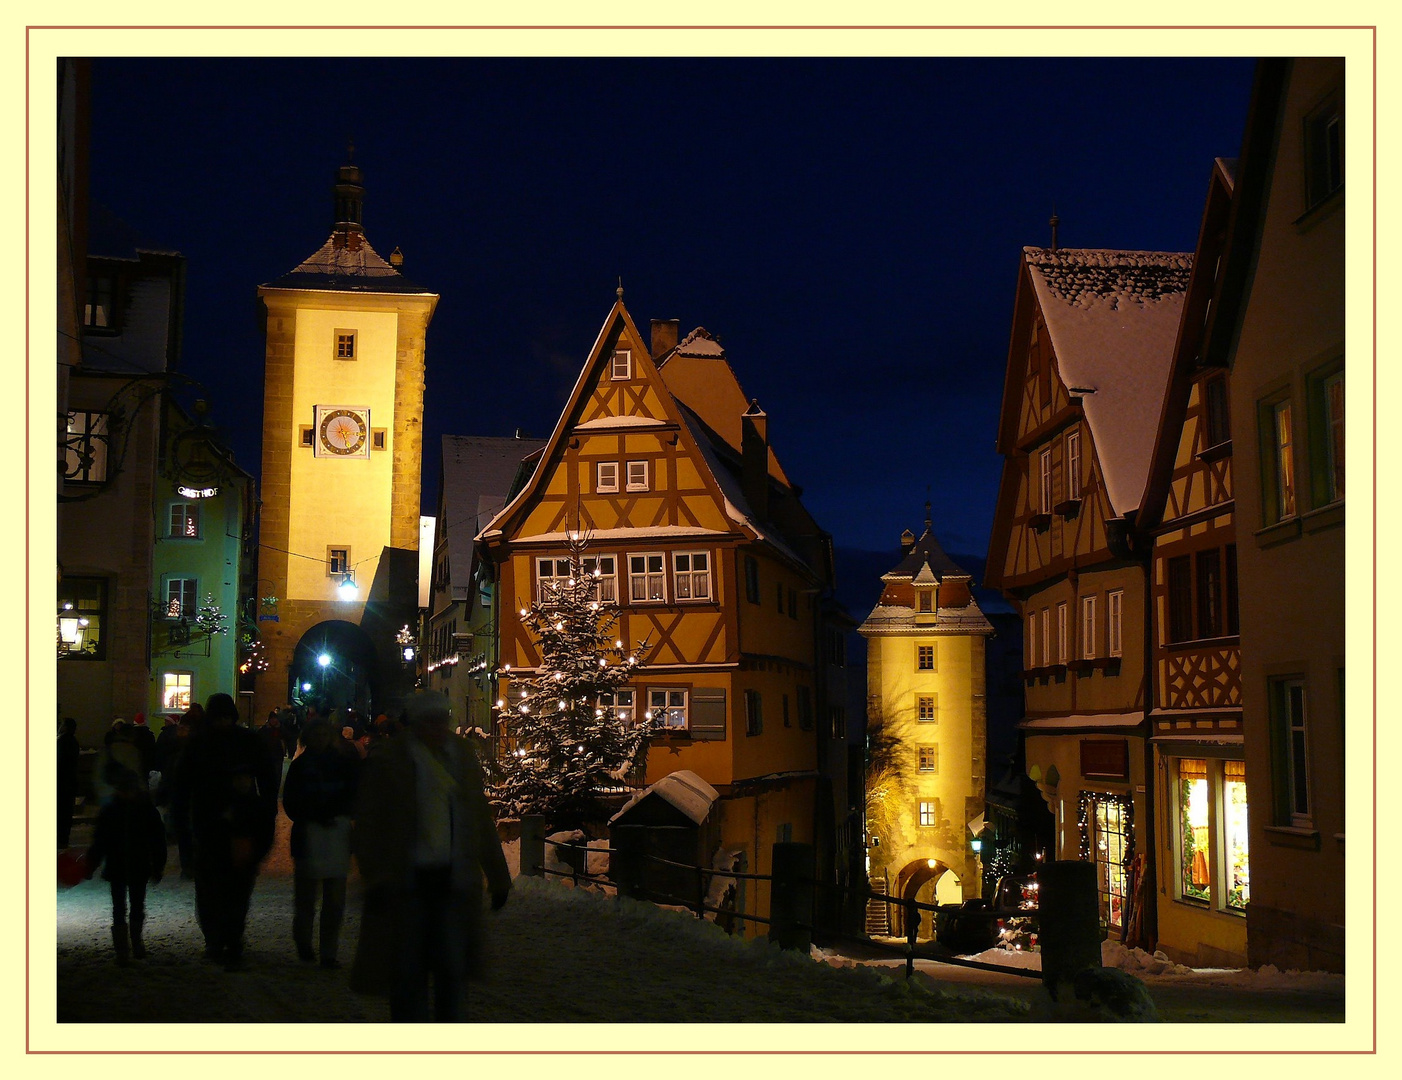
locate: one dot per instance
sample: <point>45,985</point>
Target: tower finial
<point>350,149</point>
<point>619,290</point>
<point>929,520</point>
<point>1054,222</point>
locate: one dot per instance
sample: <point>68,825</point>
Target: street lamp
<point>347,590</point>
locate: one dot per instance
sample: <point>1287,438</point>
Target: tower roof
<point>346,262</point>
<point>926,557</point>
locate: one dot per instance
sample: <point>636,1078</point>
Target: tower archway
<point>927,881</point>
<point>334,666</point>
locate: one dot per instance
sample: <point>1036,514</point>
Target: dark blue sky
<point>848,228</point>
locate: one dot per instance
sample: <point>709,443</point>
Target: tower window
<point>185,520</point>
<point>345,344</point>
<point>337,560</point>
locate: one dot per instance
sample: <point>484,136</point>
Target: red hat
<point>140,720</point>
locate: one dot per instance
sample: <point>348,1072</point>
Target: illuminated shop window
<point>175,690</point>
<point>1213,864</point>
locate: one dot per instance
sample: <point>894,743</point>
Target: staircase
<point>878,910</point>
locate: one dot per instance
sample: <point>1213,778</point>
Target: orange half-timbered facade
<point>1188,525</point>
<point>1092,338</point>
<point>698,537</point>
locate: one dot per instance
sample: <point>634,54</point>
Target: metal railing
<point>698,906</point>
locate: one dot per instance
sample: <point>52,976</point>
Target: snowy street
<point>561,955</point>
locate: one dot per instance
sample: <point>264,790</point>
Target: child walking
<point>129,841</point>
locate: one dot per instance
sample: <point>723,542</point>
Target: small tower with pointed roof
<point>926,720</point>
<point>342,458</point>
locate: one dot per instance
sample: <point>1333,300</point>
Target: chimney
<point>754,459</point>
<point>664,335</point>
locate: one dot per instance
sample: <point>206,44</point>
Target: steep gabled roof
<point>477,478</point>
<point>1113,319</point>
<point>926,553</point>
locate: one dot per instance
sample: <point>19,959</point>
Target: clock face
<point>342,431</point>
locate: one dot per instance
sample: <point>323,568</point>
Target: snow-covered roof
<point>1082,720</point>
<point>1113,318</point>
<point>683,790</point>
<point>621,421</point>
<point>926,553</point>
<point>346,262</point>
<point>477,475</point>
<point>656,532</point>
<point>896,619</point>
<point>699,343</point>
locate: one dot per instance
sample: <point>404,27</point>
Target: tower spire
<point>349,195</point>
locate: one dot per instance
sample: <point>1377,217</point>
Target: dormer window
<point>925,600</point>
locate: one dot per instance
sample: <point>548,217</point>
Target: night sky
<point>848,228</point>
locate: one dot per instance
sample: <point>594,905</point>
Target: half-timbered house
<point>700,539</point>
<point>1187,524</point>
<point>1092,338</point>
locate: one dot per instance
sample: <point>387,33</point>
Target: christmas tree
<point>566,743</point>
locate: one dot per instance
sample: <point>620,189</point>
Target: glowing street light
<point>347,590</point>
<point>324,659</point>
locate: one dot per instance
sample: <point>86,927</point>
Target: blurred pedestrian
<point>68,754</point>
<point>319,797</point>
<point>229,782</point>
<point>424,841</point>
<point>129,843</point>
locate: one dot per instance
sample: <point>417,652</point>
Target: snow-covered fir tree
<point>567,746</point>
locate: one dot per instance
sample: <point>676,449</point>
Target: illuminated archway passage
<point>333,667</point>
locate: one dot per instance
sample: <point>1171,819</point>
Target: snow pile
<point>1138,962</point>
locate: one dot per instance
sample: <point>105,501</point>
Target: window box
<point>1068,508</point>
<point>1216,452</point>
<point>1039,522</point>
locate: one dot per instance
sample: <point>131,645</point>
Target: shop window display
<point>1211,809</point>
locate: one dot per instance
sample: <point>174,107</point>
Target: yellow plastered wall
<point>341,502</point>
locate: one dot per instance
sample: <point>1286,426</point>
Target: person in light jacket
<point>424,842</point>
<point>318,797</point>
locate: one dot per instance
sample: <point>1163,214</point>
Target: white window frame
<point>542,580</point>
<point>166,688</point>
<point>1061,629</point>
<point>606,478</point>
<point>663,709</point>
<point>1073,464</point>
<point>1295,728</point>
<point>639,476</point>
<point>180,610</point>
<point>606,578</point>
<point>1114,622</point>
<point>189,515</point>
<point>622,702</point>
<point>1087,628</point>
<point>1046,466</point>
<point>648,576</point>
<point>621,365</point>
<point>685,581</point>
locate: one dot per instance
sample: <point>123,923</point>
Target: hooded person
<point>426,845</point>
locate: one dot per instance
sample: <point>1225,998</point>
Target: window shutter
<point>708,713</point>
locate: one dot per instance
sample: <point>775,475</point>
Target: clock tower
<point>342,453</point>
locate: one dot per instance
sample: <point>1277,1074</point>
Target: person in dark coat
<point>179,794</point>
<point>68,753</point>
<point>229,782</point>
<point>424,842</point>
<point>129,843</point>
<point>319,797</point>
<point>145,743</point>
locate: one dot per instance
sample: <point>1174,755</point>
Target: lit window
<point>181,597</point>
<point>1278,451</point>
<point>754,713</point>
<point>668,708</point>
<point>691,575</point>
<point>82,607</point>
<point>1087,627</point>
<point>1114,629</point>
<point>604,571</point>
<point>621,704</point>
<point>647,579</point>
<point>551,577</point>
<point>185,520</point>
<point>926,710</point>
<point>1211,808</point>
<point>607,481</point>
<point>622,365</point>
<point>1109,822</point>
<point>345,344</point>
<point>925,658</point>
<point>929,813</point>
<point>85,448</point>
<point>175,691</point>
<point>930,759</point>
<point>637,476</point>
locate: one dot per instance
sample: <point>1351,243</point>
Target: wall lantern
<point>348,589</point>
